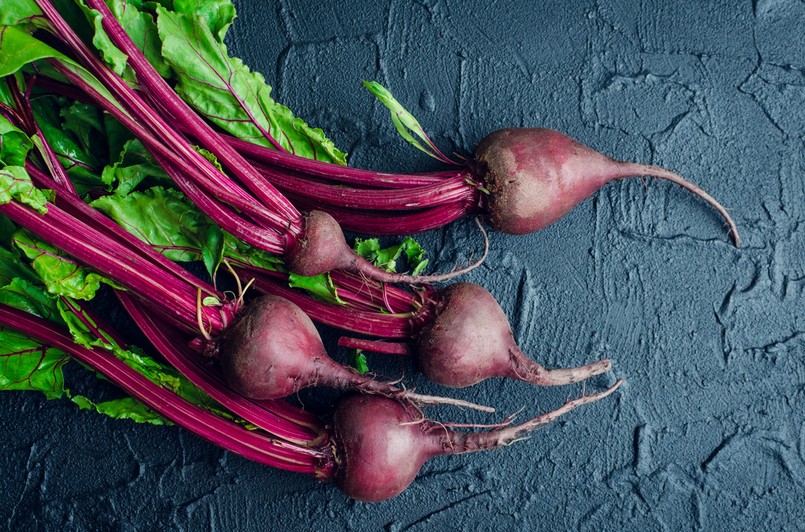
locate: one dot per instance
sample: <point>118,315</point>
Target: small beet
<point>468,339</point>
<point>322,248</point>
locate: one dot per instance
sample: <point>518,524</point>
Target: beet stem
<point>387,348</point>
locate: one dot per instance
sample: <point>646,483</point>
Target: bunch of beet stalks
<point>248,356</point>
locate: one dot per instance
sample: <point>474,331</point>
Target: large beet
<point>536,176</point>
<point>381,444</point>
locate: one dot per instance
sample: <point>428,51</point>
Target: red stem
<point>375,293</point>
<point>449,190</point>
<point>73,205</point>
<point>250,444</point>
<point>369,323</point>
<point>392,223</point>
<point>114,261</point>
<point>182,171</point>
<point>387,348</point>
<point>334,172</point>
<point>153,82</point>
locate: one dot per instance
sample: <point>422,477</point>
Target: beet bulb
<point>380,444</point>
<point>468,339</point>
<point>536,176</point>
<point>322,248</point>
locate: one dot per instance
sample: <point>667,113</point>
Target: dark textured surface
<point>708,433</point>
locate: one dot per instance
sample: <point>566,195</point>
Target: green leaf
<point>7,227</point>
<point>142,30</point>
<point>165,219</point>
<point>14,12</point>
<point>27,365</point>
<point>26,295</point>
<point>61,275</point>
<point>18,48</point>
<point>85,122</point>
<point>414,255</point>
<point>210,156</point>
<point>387,258</point>
<point>15,184</point>
<point>116,137</point>
<point>123,408</point>
<point>320,286</point>
<point>14,144</point>
<point>211,301</point>
<point>10,265</point>
<point>357,360</point>
<point>133,166</point>
<point>405,123</point>
<point>237,251</point>
<point>212,250</point>
<point>367,248</point>
<point>71,139</point>
<point>217,14</point>
<point>5,94</point>
<point>111,54</point>
<point>225,91</point>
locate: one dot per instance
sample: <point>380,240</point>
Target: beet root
<point>322,248</point>
<point>468,339</point>
<point>381,444</point>
<point>536,176</point>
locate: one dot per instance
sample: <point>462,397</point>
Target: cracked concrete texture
<point>708,433</point>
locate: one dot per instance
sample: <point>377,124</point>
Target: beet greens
<point>244,204</point>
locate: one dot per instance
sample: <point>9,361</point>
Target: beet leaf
<point>406,124</point>
<point>61,275</point>
<point>225,91</point>
<point>15,184</point>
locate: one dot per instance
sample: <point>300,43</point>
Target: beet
<point>468,339</point>
<point>273,350</point>
<point>381,444</point>
<point>322,248</point>
<point>536,176</point>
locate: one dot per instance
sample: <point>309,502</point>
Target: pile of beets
<point>250,350</point>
